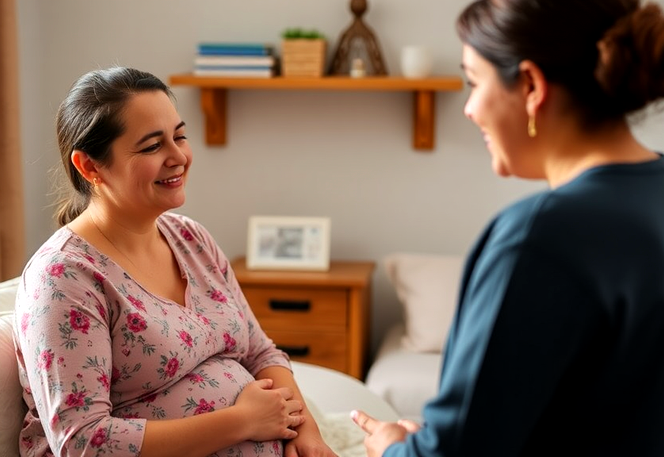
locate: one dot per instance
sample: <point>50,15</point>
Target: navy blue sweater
<point>557,347</point>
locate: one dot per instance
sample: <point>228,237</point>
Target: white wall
<point>346,155</point>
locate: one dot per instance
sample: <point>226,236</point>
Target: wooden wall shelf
<point>214,90</point>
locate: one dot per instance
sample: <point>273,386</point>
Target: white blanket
<point>339,432</point>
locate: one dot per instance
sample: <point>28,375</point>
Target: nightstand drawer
<point>319,317</point>
<point>288,308</point>
<point>326,349</point>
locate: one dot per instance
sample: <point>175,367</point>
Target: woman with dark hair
<point>132,334</point>
<point>557,346</point>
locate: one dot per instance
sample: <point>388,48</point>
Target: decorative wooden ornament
<point>358,42</point>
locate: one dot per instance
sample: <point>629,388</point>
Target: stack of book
<point>240,60</point>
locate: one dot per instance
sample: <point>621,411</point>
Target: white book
<point>245,61</point>
<point>240,73</point>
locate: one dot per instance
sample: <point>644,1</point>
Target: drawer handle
<point>295,351</point>
<point>290,305</point>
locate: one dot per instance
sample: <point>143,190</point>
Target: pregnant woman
<point>132,334</point>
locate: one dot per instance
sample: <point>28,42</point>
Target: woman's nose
<point>177,156</point>
<point>467,110</point>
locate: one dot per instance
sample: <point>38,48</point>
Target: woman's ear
<point>85,165</point>
<point>535,86</point>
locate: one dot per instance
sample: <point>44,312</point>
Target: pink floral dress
<point>99,355</point>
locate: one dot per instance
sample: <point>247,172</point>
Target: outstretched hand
<point>380,435</point>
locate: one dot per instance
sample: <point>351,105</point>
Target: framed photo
<point>293,243</point>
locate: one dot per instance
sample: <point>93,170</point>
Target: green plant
<point>296,33</point>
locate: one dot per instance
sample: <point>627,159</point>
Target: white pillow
<point>8,294</point>
<point>427,286</point>
<point>11,401</point>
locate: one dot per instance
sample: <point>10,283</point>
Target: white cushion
<point>8,294</point>
<point>427,286</point>
<point>12,408</point>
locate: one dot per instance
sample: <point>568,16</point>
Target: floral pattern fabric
<point>99,355</point>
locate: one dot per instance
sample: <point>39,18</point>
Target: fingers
<point>294,422</point>
<point>294,406</point>
<point>289,434</point>
<point>366,422</point>
<point>264,383</point>
<point>286,392</point>
<point>409,425</point>
<point>288,431</point>
<point>297,420</point>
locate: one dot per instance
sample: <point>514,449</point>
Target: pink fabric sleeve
<point>62,327</point>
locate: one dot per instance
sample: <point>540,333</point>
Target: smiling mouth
<point>170,180</point>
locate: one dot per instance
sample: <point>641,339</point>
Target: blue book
<point>253,49</point>
<point>232,52</point>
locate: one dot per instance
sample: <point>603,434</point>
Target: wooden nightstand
<point>316,317</point>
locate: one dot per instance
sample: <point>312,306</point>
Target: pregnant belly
<point>215,384</point>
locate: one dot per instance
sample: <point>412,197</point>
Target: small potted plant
<point>303,53</point>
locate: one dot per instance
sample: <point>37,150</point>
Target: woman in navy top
<point>557,347</point>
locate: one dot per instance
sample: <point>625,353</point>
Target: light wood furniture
<point>214,89</point>
<point>320,318</point>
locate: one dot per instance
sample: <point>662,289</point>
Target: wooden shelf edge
<point>376,83</point>
<point>214,94</point>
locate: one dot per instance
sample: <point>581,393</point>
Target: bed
<point>406,369</point>
<point>404,378</point>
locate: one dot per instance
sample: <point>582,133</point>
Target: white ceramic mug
<point>416,62</point>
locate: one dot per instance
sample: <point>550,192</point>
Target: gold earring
<point>96,181</point>
<point>532,129</point>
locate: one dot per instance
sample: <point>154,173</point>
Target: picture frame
<point>288,243</point>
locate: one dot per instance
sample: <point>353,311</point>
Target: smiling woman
<point>556,344</point>
<point>131,314</point>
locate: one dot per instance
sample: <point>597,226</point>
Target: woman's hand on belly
<point>270,413</point>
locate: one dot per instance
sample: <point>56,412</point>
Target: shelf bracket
<point>423,119</point>
<point>214,98</point>
<point>213,103</point>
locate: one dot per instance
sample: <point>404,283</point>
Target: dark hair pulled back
<point>89,119</point>
<point>564,38</point>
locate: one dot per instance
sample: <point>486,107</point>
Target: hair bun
<point>630,68</point>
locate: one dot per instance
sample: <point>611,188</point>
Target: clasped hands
<point>380,435</point>
<point>279,414</point>
<point>281,417</point>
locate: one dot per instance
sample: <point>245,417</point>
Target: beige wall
<point>345,155</point>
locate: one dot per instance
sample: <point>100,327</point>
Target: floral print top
<point>99,355</point>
